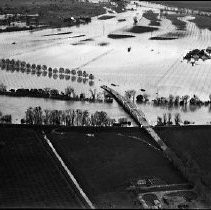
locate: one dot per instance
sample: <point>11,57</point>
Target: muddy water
<point>153,65</point>
<point>16,106</point>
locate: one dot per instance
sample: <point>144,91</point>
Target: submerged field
<point>154,63</point>
<point>103,162</point>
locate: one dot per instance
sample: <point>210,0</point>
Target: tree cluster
<point>5,118</point>
<point>130,94</point>
<point>17,65</point>
<point>167,119</point>
<point>142,98</point>
<point>71,117</point>
<point>183,101</point>
<point>197,54</point>
<point>68,94</point>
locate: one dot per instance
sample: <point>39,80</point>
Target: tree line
<point>67,94</point>
<point>17,65</point>
<point>70,117</point>
<point>167,120</point>
<point>171,101</point>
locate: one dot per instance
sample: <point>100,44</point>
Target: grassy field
<point>106,162</point>
<point>28,175</point>
<point>52,12</point>
<point>192,140</point>
<point>202,22</point>
<point>103,163</point>
<point>199,5</point>
<point>153,17</point>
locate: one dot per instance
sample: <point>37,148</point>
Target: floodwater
<point>17,106</point>
<point>155,66</point>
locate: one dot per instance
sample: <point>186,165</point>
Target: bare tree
<point>69,91</point>
<point>164,119</point>
<point>3,88</point>
<point>85,117</point>
<point>130,94</point>
<point>159,121</point>
<point>146,97</point>
<point>171,99</point>
<point>176,101</point>
<point>169,122</point>
<point>177,119</point>
<point>185,98</point>
<point>93,94</point>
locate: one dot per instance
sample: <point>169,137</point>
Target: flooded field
<point>154,65</point>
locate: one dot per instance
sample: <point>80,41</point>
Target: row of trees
<point>171,101</point>
<point>77,20</point>
<point>180,101</point>
<point>184,11</point>
<point>17,65</point>
<point>68,94</point>
<point>60,76</point>
<point>78,117</point>
<point>167,119</point>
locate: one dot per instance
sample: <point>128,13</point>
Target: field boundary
<point>95,59</point>
<point>76,184</point>
<point>64,128</point>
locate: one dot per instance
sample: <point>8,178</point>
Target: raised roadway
<point>136,114</point>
